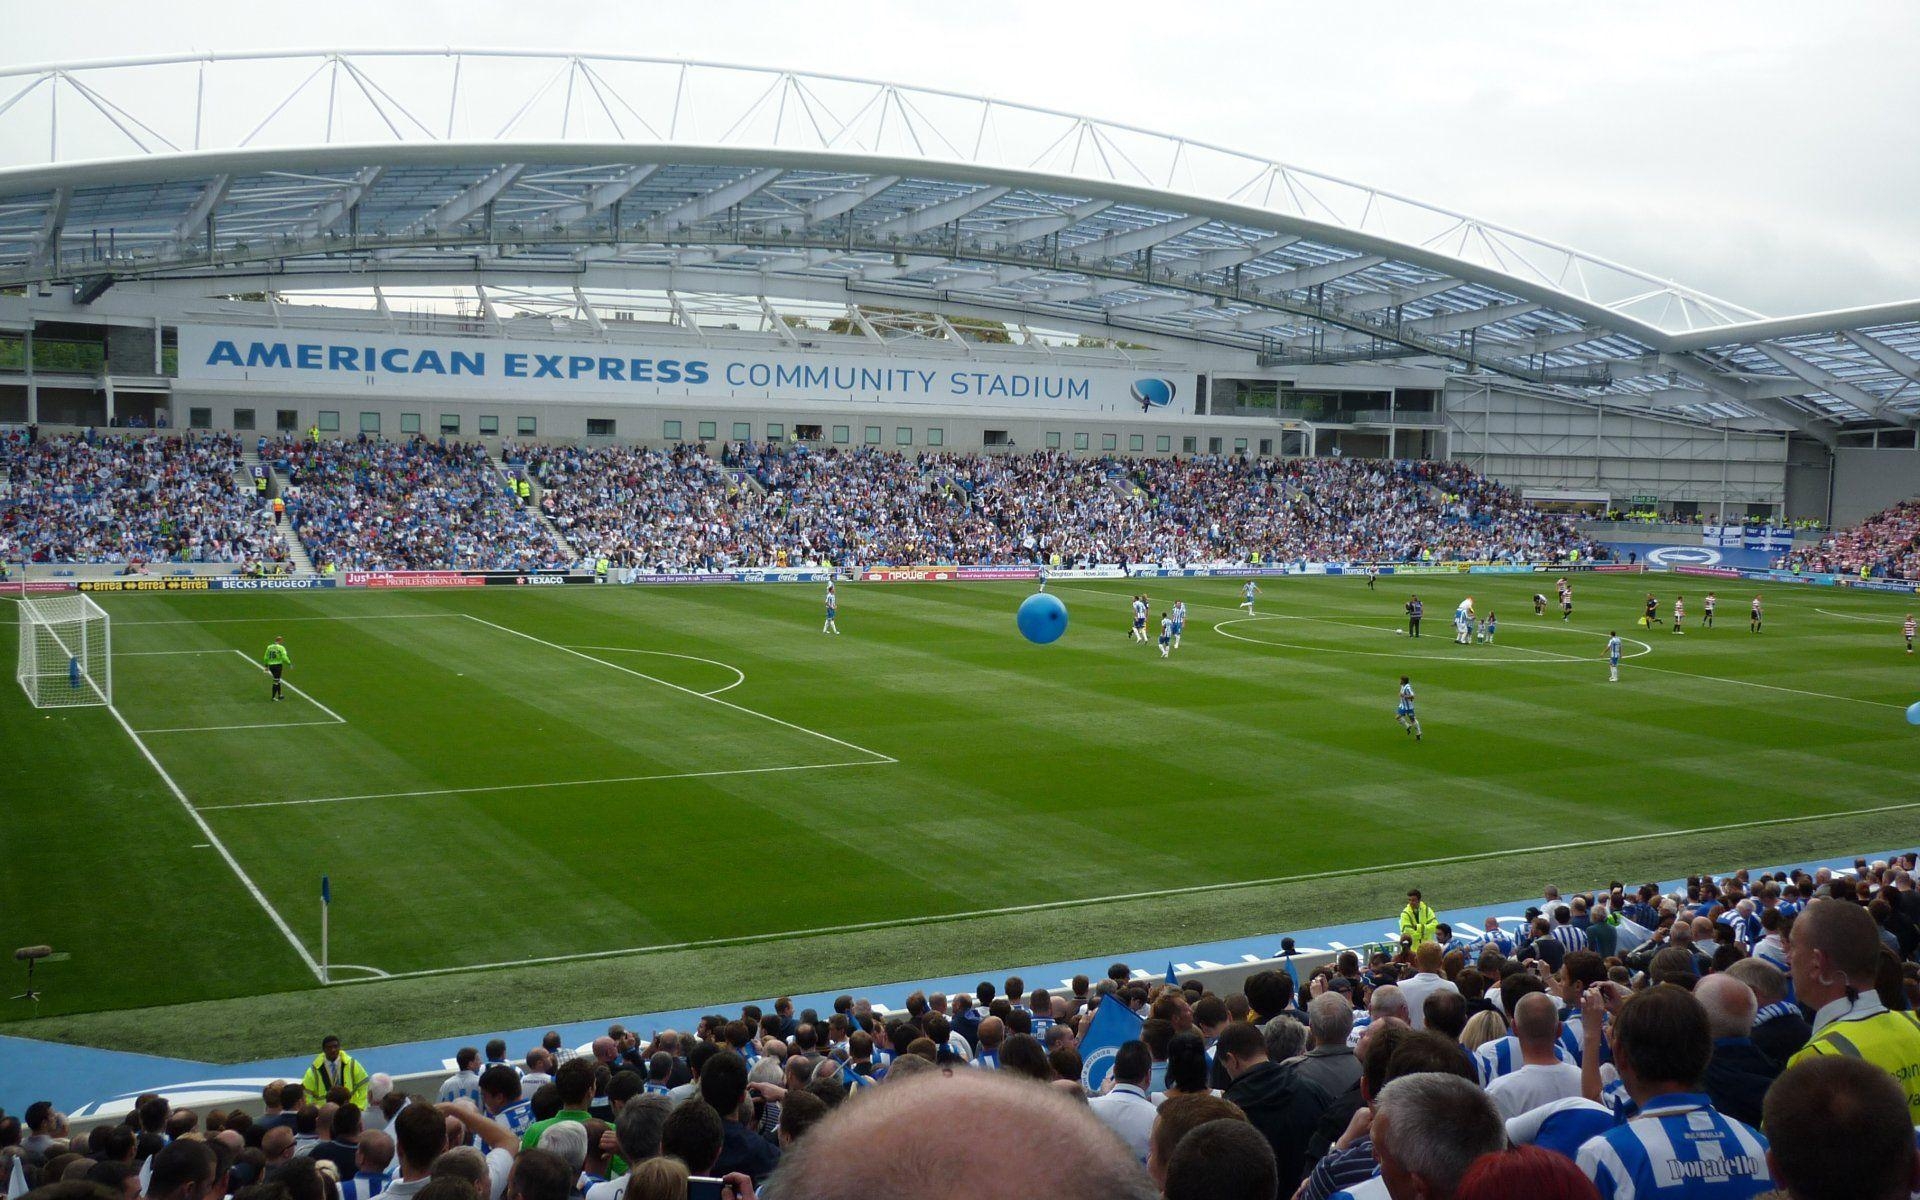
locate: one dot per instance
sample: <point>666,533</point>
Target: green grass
<point>1025,775</point>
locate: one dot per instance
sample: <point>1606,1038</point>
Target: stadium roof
<point>331,168</point>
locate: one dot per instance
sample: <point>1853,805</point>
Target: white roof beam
<point>839,204</point>
<point>1832,385</point>
<point>1885,355</point>
<point>1039,227</point>
<point>717,201</point>
<point>605,195</point>
<point>474,198</point>
<point>1160,306</point>
<point>1306,277</point>
<point>1114,245</point>
<point>586,310</point>
<point>46,243</point>
<point>335,208</point>
<point>1440,324</point>
<point>1374,303</point>
<point>195,220</point>
<point>933,216</point>
<point>1790,415</point>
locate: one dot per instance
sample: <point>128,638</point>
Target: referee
<point>277,660</point>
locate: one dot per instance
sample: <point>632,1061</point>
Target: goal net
<point>65,653</point>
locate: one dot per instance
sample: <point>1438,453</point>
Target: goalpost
<point>66,655</point>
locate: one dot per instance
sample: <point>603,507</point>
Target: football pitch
<point>505,785</point>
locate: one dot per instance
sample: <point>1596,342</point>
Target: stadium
<point>524,547</point>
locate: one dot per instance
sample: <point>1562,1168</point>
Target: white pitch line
<point>161,653</point>
<point>524,787</point>
<point>1772,687</point>
<point>213,839</point>
<point>277,620</point>
<point>1893,622</point>
<point>1478,657</point>
<point>689,691</point>
<point>225,728</point>
<point>1160,893</point>
<point>338,719</point>
<point>740,676</point>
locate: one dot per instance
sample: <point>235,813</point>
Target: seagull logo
<point>1150,394</point>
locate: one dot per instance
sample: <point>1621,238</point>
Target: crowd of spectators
<point>1885,544</point>
<point>1740,1037</point>
<point>368,504</point>
<point>87,498</point>
<point>678,510</point>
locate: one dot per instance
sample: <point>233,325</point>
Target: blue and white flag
<point>1114,1025</point>
<point>326,890</point>
<point>17,1180</point>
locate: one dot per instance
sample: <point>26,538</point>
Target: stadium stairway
<point>296,549</point>
<point>540,514</point>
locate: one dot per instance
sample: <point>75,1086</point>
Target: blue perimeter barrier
<point>75,1076</point>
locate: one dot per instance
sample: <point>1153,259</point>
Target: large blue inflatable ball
<point>1042,618</point>
<point>1913,710</point>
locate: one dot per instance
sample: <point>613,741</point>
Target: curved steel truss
<point>567,170</point>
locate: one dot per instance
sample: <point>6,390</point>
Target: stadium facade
<point>536,244</point>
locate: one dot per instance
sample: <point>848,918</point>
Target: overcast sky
<point>1767,151</point>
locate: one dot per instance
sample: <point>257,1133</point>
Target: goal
<point>65,652</point>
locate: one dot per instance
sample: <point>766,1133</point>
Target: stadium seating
<point>1885,544</point>
<point>367,504</point>
<point>676,510</point>
<point>1514,1029</point>
<point>83,498</point>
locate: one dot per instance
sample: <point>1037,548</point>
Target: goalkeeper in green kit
<point>277,660</point>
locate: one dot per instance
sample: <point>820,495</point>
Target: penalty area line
<point>213,839</point>
<point>528,787</point>
<point>1160,893</point>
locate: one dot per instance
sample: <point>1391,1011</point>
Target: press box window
<point>742,431</point>
<point>776,433</point>
<point>903,435</point>
<point>599,426</point>
<point>243,418</point>
<point>1266,447</point>
<point>842,434</point>
<point>806,433</point>
<point>199,418</point>
<point>1053,441</point>
<point>449,423</point>
<point>990,437</point>
<point>287,420</point>
<point>489,426</point>
<point>1109,441</point>
<point>526,426</point>
<point>329,421</point>
<point>670,430</point>
<point>1189,445</point>
<point>873,435</point>
<point>369,422</point>
<point>1136,442</point>
<point>709,430</point>
<point>409,422</point>
<point>1079,441</point>
<point>1163,443</point>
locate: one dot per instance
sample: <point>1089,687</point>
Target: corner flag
<point>326,910</point>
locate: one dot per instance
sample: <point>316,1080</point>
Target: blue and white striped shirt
<point>1571,937</point>
<point>1503,1058</point>
<point>1678,1148</point>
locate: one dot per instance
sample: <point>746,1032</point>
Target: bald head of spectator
<point>374,1152</point>
<point>1536,1022</point>
<point>1769,983</point>
<point>992,1032</point>
<point>1389,1001</point>
<point>1178,1116</point>
<point>277,1145</point>
<point>1730,1005</point>
<point>468,1166</point>
<point>1044,1144</point>
<point>1428,1129</point>
<point>1838,1129</point>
